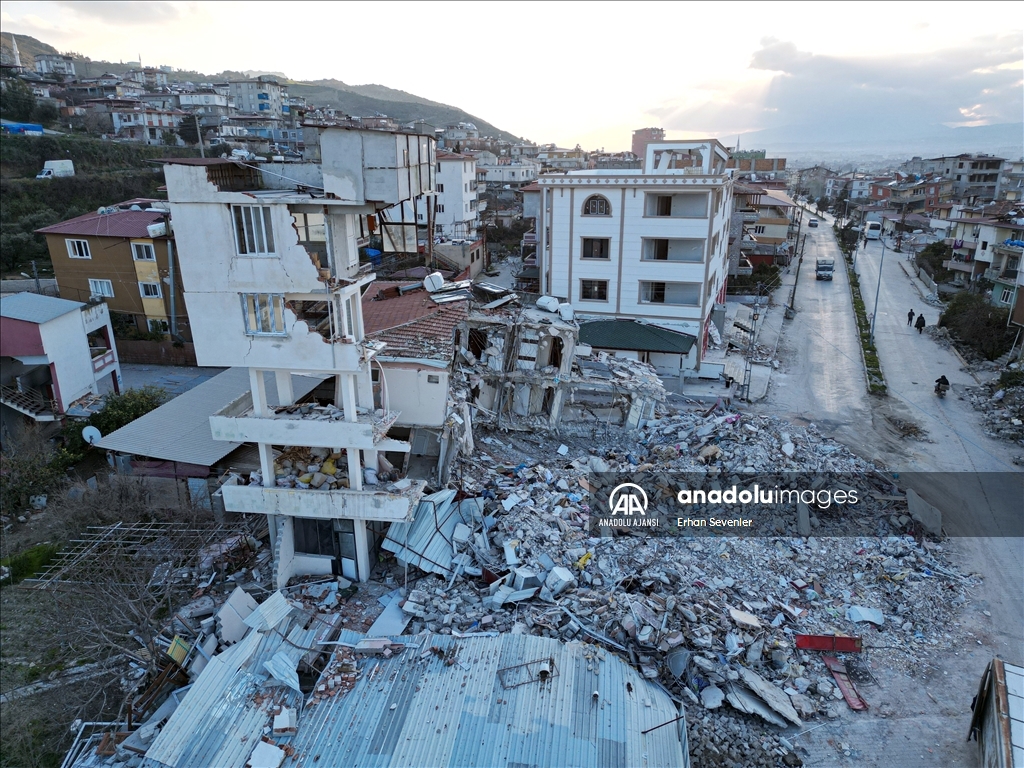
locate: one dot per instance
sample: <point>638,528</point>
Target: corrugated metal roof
<point>180,429</point>
<point>36,308</point>
<point>270,612</point>
<point>414,710</point>
<point>631,335</point>
<point>426,542</point>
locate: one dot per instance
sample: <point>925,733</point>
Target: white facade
<point>455,202</point>
<point>54,64</point>
<point>144,125</point>
<point>646,245</point>
<point>272,282</point>
<point>516,173</point>
<point>261,97</point>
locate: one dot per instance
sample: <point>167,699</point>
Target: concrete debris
<point>1001,403</point>
<point>712,697</point>
<point>859,613</point>
<point>920,510</point>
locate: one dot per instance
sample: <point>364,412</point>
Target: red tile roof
<point>118,224</point>
<point>411,324</point>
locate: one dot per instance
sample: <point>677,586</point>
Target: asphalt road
<point>918,717</point>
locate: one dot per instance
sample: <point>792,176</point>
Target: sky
<point>588,74</point>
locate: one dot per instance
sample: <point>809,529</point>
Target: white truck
<point>873,230</point>
<point>54,168</point>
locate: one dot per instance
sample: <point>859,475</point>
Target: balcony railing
<point>1009,275</point>
<point>102,359</point>
<point>372,504</point>
<point>991,274</point>
<point>30,402</point>
<point>958,266</point>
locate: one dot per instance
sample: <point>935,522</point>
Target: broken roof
<point>179,430</point>
<point>490,707</point>
<point>633,335</point>
<point>410,322</point>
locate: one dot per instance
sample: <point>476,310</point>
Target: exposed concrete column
<point>285,394</point>
<point>266,451</point>
<point>556,407</point>
<point>362,551</point>
<point>258,387</point>
<point>355,470</point>
<point>348,396</point>
<point>370,460</point>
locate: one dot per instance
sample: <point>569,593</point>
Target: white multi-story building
<point>648,245</point>
<point>262,96</point>
<point>270,267</point>
<point>456,214</point>
<point>517,173</point>
<point>55,64</point>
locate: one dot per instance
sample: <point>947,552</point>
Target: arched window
<point>595,205</point>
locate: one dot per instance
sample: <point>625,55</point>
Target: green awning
<point>634,336</point>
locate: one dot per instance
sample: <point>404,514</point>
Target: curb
<point>913,282</point>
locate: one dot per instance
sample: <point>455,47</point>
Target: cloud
<point>117,13</point>
<point>835,96</point>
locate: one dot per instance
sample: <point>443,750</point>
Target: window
<point>1007,296</point>
<point>314,537</point>
<point>150,290</point>
<point>595,248</point>
<point>595,205</point>
<point>594,290</point>
<point>103,288</point>
<point>438,208</point>
<point>688,204</point>
<point>670,293</point>
<point>433,378</point>
<point>690,250</point>
<point>984,245</point>
<point>254,233</point>
<point>143,252</point>
<point>759,229</point>
<point>264,314</point>
<point>158,326</point>
<point>78,249</point>
<point>440,188</point>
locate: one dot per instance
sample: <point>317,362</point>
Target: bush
<point>1011,379</point>
<point>974,322</point>
<point>30,562</point>
<point>931,258</point>
<point>117,411</point>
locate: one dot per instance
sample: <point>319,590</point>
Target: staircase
<point>30,403</point>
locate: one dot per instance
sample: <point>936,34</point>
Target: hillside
<point>358,100</point>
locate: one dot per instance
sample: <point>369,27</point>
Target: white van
<point>873,230</point>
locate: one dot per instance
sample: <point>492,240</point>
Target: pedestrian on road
<point>920,324</point>
<point>910,317</point>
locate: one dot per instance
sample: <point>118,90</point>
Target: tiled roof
<point>118,224</point>
<point>412,325</point>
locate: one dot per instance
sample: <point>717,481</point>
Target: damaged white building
<point>270,266</point>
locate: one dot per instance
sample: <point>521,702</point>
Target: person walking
<point>920,324</point>
<point>910,317</point>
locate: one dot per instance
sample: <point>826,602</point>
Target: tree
<point>169,138</point>
<point>187,131</point>
<point>117,411</point>
<point>30,466</point>
<point>975,322</point>
<point>17,102</point>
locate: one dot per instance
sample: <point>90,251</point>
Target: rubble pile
<point>712,618</point>
<point>319,469</point>
<point>380,419</point>
<point>1002,408</point>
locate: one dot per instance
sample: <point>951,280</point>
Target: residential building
<point>642,137</point>
<point>55,64</point>
<point>122,256</point>
<point>150,77</point>
<point>753,164</point>
<point>211,107</point>
<point>1011,181</point>
<point>557,159</point>
<point>912,195</point>
<point>975,176</point>
<point>53,352</point>
<point>270,266</point>
<point>147,125</point>
<point>456,215</point>
<point>650,245</point>
<point>988,243</point>
<point>767,221</point>
<point>523,149</point>
<point>811,181</point>
<point>261,96</point>
<point>515,174</point>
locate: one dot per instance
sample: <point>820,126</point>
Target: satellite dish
<point>91,435</point>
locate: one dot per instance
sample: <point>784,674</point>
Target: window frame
<point>93,292</point>
<point>142,290</point>
<point>78,242</point>
<point>275,307</point>
<point>1004,298</point>
<point>664,293</point>
<point>594,283</point>
<point>251,241</point>
<point>583,248</point>
<point>139,244</point>
<point>596,199</point>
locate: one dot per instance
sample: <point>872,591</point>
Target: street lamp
<point>878,288</point>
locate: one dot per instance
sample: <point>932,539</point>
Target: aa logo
<point>627,499</point>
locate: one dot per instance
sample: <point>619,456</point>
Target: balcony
<point>102,359</point>
<point>30,402</point>
<point>958,266</point>
<point>306,424</point>
<point>1008,275</point>
<point>386,505</point>
<point>991,274</point>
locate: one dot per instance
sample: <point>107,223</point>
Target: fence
<point>156,352</point>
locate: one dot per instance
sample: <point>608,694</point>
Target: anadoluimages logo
<point>627,499</point>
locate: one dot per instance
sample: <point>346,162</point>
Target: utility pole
<point>35,274</point>
<point>878,289</point>
<point>199,135</point>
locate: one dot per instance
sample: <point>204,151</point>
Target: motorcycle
<point>941,389</point>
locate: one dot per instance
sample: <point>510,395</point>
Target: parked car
<point>812,223</point>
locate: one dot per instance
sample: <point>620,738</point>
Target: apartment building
<point>261,96</point>
<point>988,243</point>
<point>642,137</point>
<point>122,255</point>
<point>648,245</point>
<point>54,64</point>
<point>270,266</point>
<point>456,208</point>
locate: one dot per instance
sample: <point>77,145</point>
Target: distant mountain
<point>356,100</point>
<point>888,139</point>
